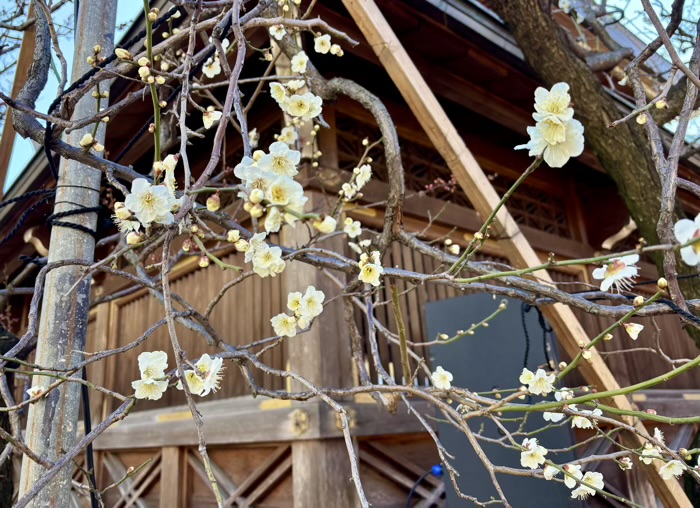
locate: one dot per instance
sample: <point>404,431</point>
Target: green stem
<point>602,335</point>
<point>477,242</point>
<point>213,258</point>
<point>154,90</point>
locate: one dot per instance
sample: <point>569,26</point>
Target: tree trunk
<point>623,151</point>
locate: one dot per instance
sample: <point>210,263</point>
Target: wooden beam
<point>439,128</point>
<point>172,478</point>
<point>24,62</point>
<point>245,420</point>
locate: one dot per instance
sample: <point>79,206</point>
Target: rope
<point>52,219</point>
<point>546,329</point>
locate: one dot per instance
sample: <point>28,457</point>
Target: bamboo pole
<point>53,421</point>
<point>483,196</point>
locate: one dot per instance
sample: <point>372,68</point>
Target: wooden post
<point>24,62</point>
<point>483,196</point>
<point>53,421</point>
<point>172,479</point>
<point>320,468</point>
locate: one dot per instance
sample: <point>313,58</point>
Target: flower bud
<point>152,128</point>
<point>608,336</point>
<point>586,354</point>
<point>257,155</point>
<point>133,238</point>
<point>160,80</point>
<point>638,300</point>
<point>247,206</point>
<point>187,245</point>
<point>98,147</point>
<point>121,211</point>
<point>143,62</point>
<point>203,261</point>
<point>241,245</point>
<point>144,72</point>
<point>152,16</point>
<point>97,48</point>
<point>256,196</point>
<point>233,236</point>
<point>87,140</point>
<point>257,211</point>
<point>213,203</point>
<point>335,49</point>
<point>91,60</point>
<point>123,54</point>
<point>164,66</point>
<point>641,119</point>
<point>105,119</point>
<point>662,283</point>
<point>562,365</point>
<point>150,80</point>
<point>162,104</point>
<point>661,104</point>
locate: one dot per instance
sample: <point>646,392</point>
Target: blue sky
<point>25,149</point>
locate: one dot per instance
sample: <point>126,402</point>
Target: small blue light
<point>437,470</point>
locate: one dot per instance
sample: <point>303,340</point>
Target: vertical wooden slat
<point>172,478</point>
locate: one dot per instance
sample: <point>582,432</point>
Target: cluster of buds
<point>96,58</point>
<point>87,142</point>
<point>153,14</point>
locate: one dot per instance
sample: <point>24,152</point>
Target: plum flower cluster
<point>267,260</point>
<point>361,176</point>
<point>153,382</point>
<point>582,485</point>
<point>204,377</point>
<point>304,106</point>
<point>268,186</point>
<point>147,203</point>
<point>556,136</point>
<point>539,382</point>
<point>305,307</point>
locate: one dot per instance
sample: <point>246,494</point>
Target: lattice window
<point>423,165</point>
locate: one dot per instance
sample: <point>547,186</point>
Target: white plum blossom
<point>686,230</point>
<point>352,228</point>
<point>556,136</point>
<point>370,268</point>
<point>539,382</point>
<point>590,481</point>
<point>573,473</point>
<point>210,117</point>
<point>283,190</point>
<point>253,138</point>
<point>281,160</point>
<point>311,304</point>
<point>288,135</point>
<point>363,174</point>
<point>555,142</point>
<point>549,472</point>
<point>533,454</point>
<point>327,225</point>
<point>299,62</point>
<point>441,379</point>
<point>582,422</point>
<point>195,383</point>
<point>553,104</point>
<point>617,272</point>
<point>672,469</point>
<point>305,106</point>
<point>278,32</point>
<point>278,92</point>
<point>649,453</point>
<point>284,325</point>
<point>150,203</point>
<point>633,329</point>
<point>322,44</point>
<point>212,67</point>
<point>209,369</point>
<point>152,367</point>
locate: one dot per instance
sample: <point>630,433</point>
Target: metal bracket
<point>300,421</point>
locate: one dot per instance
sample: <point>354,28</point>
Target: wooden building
<point>274,453</point>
